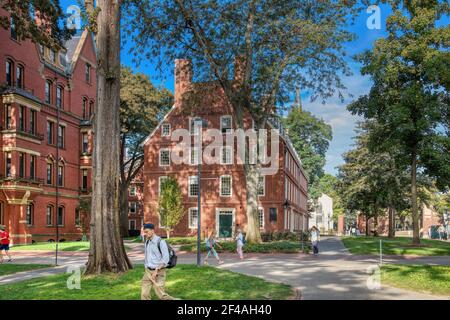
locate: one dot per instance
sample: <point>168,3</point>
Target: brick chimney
<point>183,78</point>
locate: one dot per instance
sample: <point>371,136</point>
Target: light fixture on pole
<point>199,125</point>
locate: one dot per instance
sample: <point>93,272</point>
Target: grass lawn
<point>397,246</point>
<point>63,246</point>
<point>422,278</point>
<point>8,268</point>
<point>265,247</point>
<point>184,282</point>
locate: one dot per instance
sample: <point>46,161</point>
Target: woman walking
<point>240,243</point>
<point>315,238</point>
<point>210,243</point>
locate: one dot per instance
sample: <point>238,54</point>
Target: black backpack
<point>172,256</point>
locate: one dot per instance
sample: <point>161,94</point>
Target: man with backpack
<point>158,257</point>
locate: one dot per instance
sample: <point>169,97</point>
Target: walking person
<point>240,243</point>
<point>210,243</point>
<point>155,260</point>
<point>4,243</point>
<point>315,238</point>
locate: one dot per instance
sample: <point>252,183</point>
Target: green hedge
<point>284,235</point>
<point>265,247</point>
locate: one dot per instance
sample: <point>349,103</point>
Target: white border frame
<point>190,219</point>
<point>160,151</point>
<point>159,183</point>
<point>231,155</point>
<point>231,185</point>
<point>264,216</point>
<point>233,225</point>
<point>189,186</point>
<point>264,186</point>
<point>162,129</point>
<point>231,123</point>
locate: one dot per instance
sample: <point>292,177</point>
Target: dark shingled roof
<point>71,46</point>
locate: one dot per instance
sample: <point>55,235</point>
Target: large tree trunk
<point>414,208</point>
<point>107,252</point>
<point>124,209</point>
<point>253,234</point>
<point>391,214</point>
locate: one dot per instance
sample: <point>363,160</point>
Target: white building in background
<point>322,216</point>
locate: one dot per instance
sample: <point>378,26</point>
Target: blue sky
<point>333,111</point>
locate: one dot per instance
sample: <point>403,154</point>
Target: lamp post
<point>199,124</point>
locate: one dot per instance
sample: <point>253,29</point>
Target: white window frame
<point>131,206</point>
<point>160,183</point>
<point>264,186</point>
<point>163,126</point>
<point>189,186</point>
<point>231,186</point>
<point>261,225</point>
<point>132,194</point>
<point>190,220</point>
<point>160,154</point>
<point>222,149</point>
<point>230,130</point>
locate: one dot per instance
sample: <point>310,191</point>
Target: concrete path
<point>333,274</point>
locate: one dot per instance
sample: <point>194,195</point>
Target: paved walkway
<point>334,274</point>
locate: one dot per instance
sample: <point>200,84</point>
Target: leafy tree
<point>170,204</point>
<point>311,138</point>
<point>41,21</point>
<point>409,97</point>
<point>329,185</point>
<point>278,45</point>
<point>142,106</point>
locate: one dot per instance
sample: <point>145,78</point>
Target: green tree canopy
<point>170,204</point>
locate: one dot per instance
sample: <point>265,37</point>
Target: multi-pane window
<point>132,206</point>
<point>85,143</point>
<point>91,108</point>
<point>8,164</point>
<point>225,124</point>
<point>61,130</point>
<point>59,97</point>
<point>30,215</point>
<point>9,72</point>
<point>84,108</point>
<point>261,217</point>
<point>225,186</point>
<point>133,191</point>
<point>273,214</point>
<point>226,156</point>
<point>194,125</point>
<point>32,166</point>
<point>19,76</point>
<point>22,118</point>
<point>193,152</point>
<point>132,225</point>
<point>61,216</point>
<point>21,165</point>
<point>50,130</point>
<point>32,121</point>
<point>48,92</point>
<point>8,116</point>
<point>193,218</point>
<point>164,157</point>
<point>165,129</point>
<point>49,216</point>
<point>49,173</point>
<point>261,185</point>
<point>60,175</point>
<point>13,29</point>
<point>85,179</point>
<point>87,71</point>
<point>193,186</point>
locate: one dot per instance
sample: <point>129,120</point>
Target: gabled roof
<point>158,126</point>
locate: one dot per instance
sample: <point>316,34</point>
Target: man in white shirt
<point>155,261</point>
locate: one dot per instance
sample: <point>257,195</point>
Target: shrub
<point>265,247</point>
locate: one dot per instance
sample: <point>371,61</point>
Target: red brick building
<point>135,205</point>
<point>46,102</point>
<point>282,196</point>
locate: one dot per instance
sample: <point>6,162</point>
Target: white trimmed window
<point>132,206</point>
<point>226,155</point>
<point>225,186</point>
<point>261,217</point>
<point>133,191</point>
<point>262,186</point>
<point>193,218</point>
<point>165,129</point>
<point>226,123</point>
<point>131,224</point>
<point>193,155</point>
<point>193,128</point>
<point>161,180</point>
<point>193,186</point>
<point>164,157</point>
